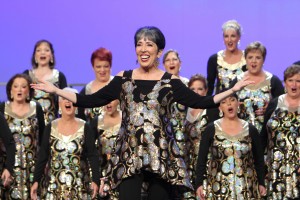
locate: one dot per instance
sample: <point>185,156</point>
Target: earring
<point>51,61</point>
<point>59,111</point>
<point>28,98</point>
<point>221,114</point>
<point>157,62</point>
<point>36,62</point>
<point>11,97</point>
<point>76,111</point>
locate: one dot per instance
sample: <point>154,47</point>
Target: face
<point>101,70</point>
<point>112,107</point>
<point>172,63</point>
<point>231,39</point>
<point>229,107</point>
<point>43,54</point>
<point>292,85</point>
<point>147,53</point>
<point>254,61</point>
<point>20,90</point>
<point>66,106</point>
<point>198,87</point>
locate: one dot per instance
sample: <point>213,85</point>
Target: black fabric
<point>9,143</point>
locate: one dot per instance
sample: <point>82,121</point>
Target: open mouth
<point>43,58</point>
<point>230,110</point>
<point>68,107</point>
<point>145,58</point>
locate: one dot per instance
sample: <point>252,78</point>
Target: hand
<point>262,190</point>
<point>94,188</point>
<point>101,189</point>
<point>33,191</point>
<point>241,84</point>
<point>6,177</point>
<point>45,86</point>
<point>200,193</point>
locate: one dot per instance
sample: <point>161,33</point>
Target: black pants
<point>130,188</point>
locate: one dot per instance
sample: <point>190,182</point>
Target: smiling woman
<point>226,64</point>
<point>145,149</point>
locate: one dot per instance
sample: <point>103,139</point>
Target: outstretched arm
<point>237,87</point>
<point>47,86</point>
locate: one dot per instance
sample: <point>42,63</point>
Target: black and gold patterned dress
<point>225,73</point>
<point>144,143</point>
<point>88,114</point>
<point>253,97</point>
<point>68,175</point>
<point>236,165</point>
<point>282,138</point>
<point>49,102</point>
<point>105,143</point>
<point>194,128</point>
<point>27,132</point>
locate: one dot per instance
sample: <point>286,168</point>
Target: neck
<point>233,52</point>
<point>148,70</point>
<point>44,67</point>
<point>19,103</point>
<point>113,115</point>
<point>67,118</point>
<point>293,100</point>
<point>232,120</point>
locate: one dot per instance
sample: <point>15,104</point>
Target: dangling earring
<point>221,114</point>
<point>284,89</point>
<point>59,111</point>
<point>28,98</point>
<point>11,97</point>
<point>76,111</point>
<point>157,62</point>
<point>238,110</point>
<point>36,62</point>
<point>51,61</point>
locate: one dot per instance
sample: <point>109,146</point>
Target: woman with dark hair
<point>43,63</point>
<point>225,65</point>
<point>67,145</point>
<point>281,138</point>
<point>255,98</point>
<point>145,149</point>
<point>25,119</point>
<point>195,124</point>
<point>101,61</point>
<point>236,163</point>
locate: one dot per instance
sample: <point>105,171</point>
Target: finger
<point>6,182</point>
<point>94,192</point>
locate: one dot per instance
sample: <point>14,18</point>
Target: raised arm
<point>47,86</point>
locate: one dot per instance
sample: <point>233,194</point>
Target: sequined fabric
<point>231,172</point>
<point>145,141</point>
<point>227,72</point>
<point>90,113</point>
<point>252,98</point>
<point>284,152</point>
<point>194,130</point>
<point>194,126</point>
<point>48,101</point>
<point>25,132</point>
<point>68,176</point>
<point>105,144</point>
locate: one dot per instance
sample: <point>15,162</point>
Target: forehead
<point>172,54</point>
<point>20,80</point>
<point>43,45</point>
<point>197,83</point>
<point>255,52</point>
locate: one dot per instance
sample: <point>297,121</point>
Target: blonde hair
<point>69,90</point>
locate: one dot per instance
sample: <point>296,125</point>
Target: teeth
<point>144,57</point>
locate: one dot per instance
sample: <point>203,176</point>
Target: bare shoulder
<point>120,73</point>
